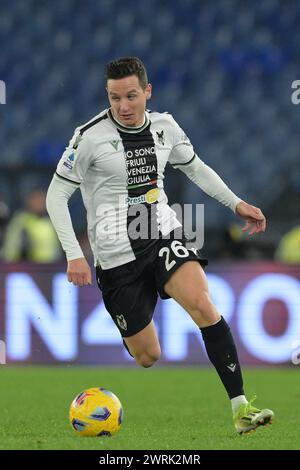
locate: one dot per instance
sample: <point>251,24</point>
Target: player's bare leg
<point>144,346</point>
<point>189,287</point>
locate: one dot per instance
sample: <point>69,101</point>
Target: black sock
<point>222,352</point>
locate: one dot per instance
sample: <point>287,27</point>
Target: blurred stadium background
<point>225,70</point>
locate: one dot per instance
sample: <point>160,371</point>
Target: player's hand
<point>79,272</point>
<point>255,219</point>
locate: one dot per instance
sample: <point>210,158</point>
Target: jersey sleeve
<point>76,159</point>
<point>182,151</point>
<point>58,195</point>
<point>210,182</point>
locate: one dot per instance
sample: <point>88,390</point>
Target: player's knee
<point>148,359</point>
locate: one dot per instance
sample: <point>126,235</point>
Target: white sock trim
<point>236,402</point>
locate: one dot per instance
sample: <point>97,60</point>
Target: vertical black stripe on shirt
<point>141,167</point>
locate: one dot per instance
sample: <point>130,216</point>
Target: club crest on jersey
<point>115,144</point>
<point>122,322</point>
<point>160,137</point>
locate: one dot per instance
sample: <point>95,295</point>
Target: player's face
<point>128,100</point>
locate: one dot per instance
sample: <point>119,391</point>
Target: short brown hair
<point>125,67</point>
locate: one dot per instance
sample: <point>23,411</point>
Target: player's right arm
<point>68,177</point>
<point>58,195</point>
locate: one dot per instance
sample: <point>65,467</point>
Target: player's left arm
<point>211,183</point>
<point>183,157</point>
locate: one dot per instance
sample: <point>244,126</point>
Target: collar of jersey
<point>131,130</point>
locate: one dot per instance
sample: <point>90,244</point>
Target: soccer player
<point>118,160</point>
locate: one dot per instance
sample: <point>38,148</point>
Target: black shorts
<point>130,291</point>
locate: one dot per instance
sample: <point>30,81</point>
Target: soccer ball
<point>96,412</point>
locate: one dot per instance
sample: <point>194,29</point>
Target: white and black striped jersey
<point>119,168</point>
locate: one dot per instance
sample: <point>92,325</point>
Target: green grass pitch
<point>164,408</point>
